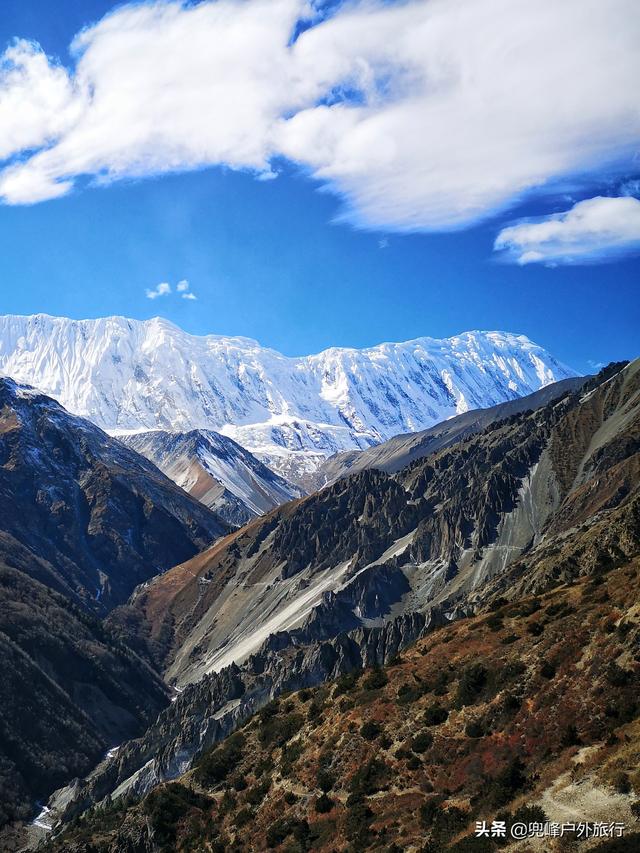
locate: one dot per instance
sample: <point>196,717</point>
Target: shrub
<point>472,680</point>
<point>280,729</point>
<point>243,817</point>
<point>290,754</point>
<point>408,693</point>
<point>547,669</point>
<point>414,763</point>
<point>314,712</point>
<point>357,824</point>
<point>238,783</point>
<point>278,832</point>
<point>422,742</point>
<point>368,779</point>
<point>435,715</point>
<point>494,622</point>
<point>511,703</point>
<point>167,805</point>
<point>370,730</point>
<point>503,787</point>
<point>510,671</point>
<point>324,804</point>
<point>474,729</point>
<point>429,810</point>
<point>536,629</point>
<point>325,779</point>
<point>448,822</point>
<point>215,765</point>
<point>622,783</point>
<point>376,679</point>
<point>569,736</point>
<point>290,798</point>
<point>616,676</point>
<point>346,682</point>
<point>441,685</point>
<point>257,794</point>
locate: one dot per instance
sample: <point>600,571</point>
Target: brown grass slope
<point>531,707</point>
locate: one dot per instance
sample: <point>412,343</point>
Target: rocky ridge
<point>216,470</point>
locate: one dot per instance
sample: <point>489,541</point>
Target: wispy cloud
<point>420,116</point>
<point>595,229</point>
<point>184,290</point>
<point>162,289</point>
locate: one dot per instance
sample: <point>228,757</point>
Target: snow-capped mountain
<point>216,470</point>
<point>131,376</point>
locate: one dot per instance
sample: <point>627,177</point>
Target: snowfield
<point>291,412</point>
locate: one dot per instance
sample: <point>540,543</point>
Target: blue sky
<point>275,260</point>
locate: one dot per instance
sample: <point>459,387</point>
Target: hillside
<point>96,518</point>
<point>351,575</point>
<point>375,545</point>
<point>528,712</point>
<point>70,691</point>
<point>82,521</point>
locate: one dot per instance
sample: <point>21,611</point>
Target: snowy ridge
<point>215,470</point>
<point>130,376</point>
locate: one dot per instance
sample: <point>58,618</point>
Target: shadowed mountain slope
<point>82,521</point>
<point>97,517</point>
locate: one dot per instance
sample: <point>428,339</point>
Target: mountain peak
<point>291,412</point>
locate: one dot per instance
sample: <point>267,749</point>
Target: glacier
<point>129,376</point>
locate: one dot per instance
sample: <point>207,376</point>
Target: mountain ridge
<point>216,470</point>
<point>372,563</point>
<point>291,412</point>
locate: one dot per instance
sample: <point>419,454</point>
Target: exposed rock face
<point>96,517</point>
<point>210,709</point>
<point>448,521</point>
<point>315,588</point>
<point>215,470</point>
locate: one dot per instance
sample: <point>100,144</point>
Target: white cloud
<point>162,289</point>
<point>419,115</point>
<point>594,229</point>
<point>37,99</point>
<point>184,290</point>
